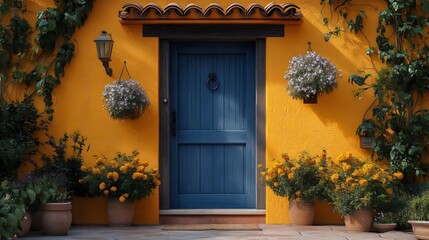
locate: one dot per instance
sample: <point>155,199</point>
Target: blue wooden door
<point>213,125</point>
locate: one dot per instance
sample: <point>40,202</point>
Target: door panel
<point>212,148</point>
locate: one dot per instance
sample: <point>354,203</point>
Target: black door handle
<point>173,123</point>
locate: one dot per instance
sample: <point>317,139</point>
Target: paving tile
<point>269,232</point>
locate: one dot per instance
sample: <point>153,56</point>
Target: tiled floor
<point>286,232</point>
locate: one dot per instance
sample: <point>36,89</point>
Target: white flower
<point>125,99</point>
<point>310,74</point>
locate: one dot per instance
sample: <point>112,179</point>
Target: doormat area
<point>218,227</point>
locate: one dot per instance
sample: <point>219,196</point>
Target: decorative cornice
<point>133,13</point>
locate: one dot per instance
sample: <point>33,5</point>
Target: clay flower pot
<point>301,213</point>
<point>25,224</point>
<point>120,213</point>
<point>360,220</point>
<point>56,218</point>
<point>420,229</point>
<point>384,227</point>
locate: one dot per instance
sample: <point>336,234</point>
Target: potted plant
<point>12,210</point>
<point>122,180</point>
<point>125,99</point>
<point>59,178</point>
<point>310,75</point>
<point>300,180</point>
<point>357,188</point>
<point>366,131</point>
<point>419,215</point>
<point>384,221</point>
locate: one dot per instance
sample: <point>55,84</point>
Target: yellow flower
<point>135,175</point>
<point>291,176</point>
<point>298,193</point>
<point>109,175</point>
<point>321,169</point>
<point>144,177</point>
<point>389,191</point>
<point>83,168</point>
<point>376,176</point>
<point>398,175</point>
<point>115,176</point>
<point>123,169</point>
<point>157,182</point>
<point>95,171</point>
<point>298,166</point>
<point>106,192</point>
<point>343,185</point>
<point>122,199</point>
<point>141,168</point>
<point>263,174</point>
<point>275,184</point>
<point>102,186</point>
<point>136,159</point>
<point>334,177</point>
<point>259,165</point>
<point>348,156</point>
<point>353,186</point>
<point>346,167</point>
<point>357,173</point>
<point>363,182</point>
<point>126,195</point>
<point>383,181</point>
<point>155,169</point>
<point>298,199</point>
<point>113,189</point>
<point>349,180</point>
<point>337,188</point>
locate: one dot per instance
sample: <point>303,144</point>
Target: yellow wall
<point>291,125</point>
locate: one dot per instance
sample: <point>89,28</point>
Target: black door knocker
<point>212,82</point>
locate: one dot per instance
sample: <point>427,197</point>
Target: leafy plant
<point>125,99</point>
<point>357,184</point>
<point>124,177</point>
<point>11,211</point>
<point>64,170</point>
<point>20,122</point>
<point>300,179</point>
<point>310,75</point>
<point>399,116</point>
<point>419,207</point>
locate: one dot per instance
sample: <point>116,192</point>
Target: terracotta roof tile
<point>235,11</point>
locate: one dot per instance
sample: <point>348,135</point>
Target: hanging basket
<point>125,99</point>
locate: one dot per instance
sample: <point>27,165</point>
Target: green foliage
<point>399,118</point>
<point>11,211</point>
<point>62,167</point>
<point>419,207</point>
<point>20,122</point>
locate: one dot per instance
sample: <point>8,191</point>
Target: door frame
<point>164,99</point>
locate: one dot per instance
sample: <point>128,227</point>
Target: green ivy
<point>400,123</point>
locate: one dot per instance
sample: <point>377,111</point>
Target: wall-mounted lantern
<point>104,44</point>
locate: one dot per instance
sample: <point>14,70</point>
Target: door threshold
<point>212,212</point>
<point>212,216</point>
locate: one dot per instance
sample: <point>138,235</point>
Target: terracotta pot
<point>420,229</point>
<point>120,214</point>
<point>36,220</point>
<point>360,220</point>
<point>384,227</point>
<point>301,213</point>
<point>56,218</point>
<point>25,224</point>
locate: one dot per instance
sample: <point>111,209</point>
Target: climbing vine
<point>32,63</point>
<point>399,119</point>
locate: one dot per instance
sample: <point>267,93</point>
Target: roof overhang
<point>235,13</point>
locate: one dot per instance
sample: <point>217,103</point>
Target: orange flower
<point>275,184</point>
<point>398,175</point>
<point>102,186</point>
<point>363,182</point>
<point>106,192</point>
<point>113,189</point>
<point>334,177</point>
<point>389,191</point>
<point>95,171</point>
<point>115,176</point>
<point>123,169</point>
<point>109,175</point>
<point>122,199</point>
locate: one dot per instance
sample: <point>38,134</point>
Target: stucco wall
<point>291,125</point>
